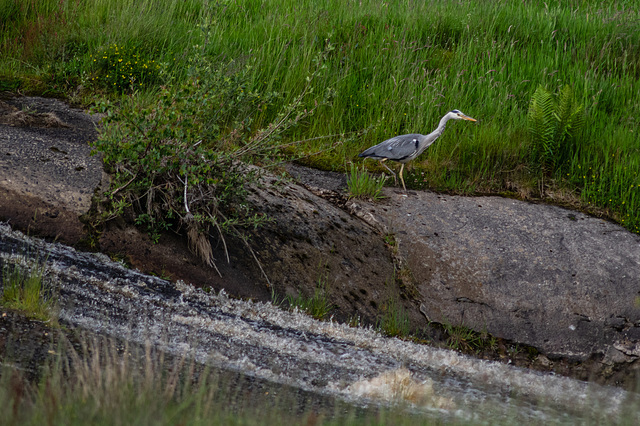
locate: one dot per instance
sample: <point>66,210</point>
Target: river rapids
<point>356,365</point>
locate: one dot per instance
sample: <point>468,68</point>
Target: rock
<point>47,175</point>
<point>543,362</point>
<point>561,281</point>
<point>53,163</point>
<point>615,356</point>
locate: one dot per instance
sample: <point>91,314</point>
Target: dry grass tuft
<point>200,245</point>
<point>11,116</point>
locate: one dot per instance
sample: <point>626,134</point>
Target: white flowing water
<point>326,358</point>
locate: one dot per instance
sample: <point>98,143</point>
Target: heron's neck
<point>443,123</point>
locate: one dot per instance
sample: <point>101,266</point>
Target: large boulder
<point>561,281</point>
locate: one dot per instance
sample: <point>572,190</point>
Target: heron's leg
<point>395,179</point>
<point>401,169</point>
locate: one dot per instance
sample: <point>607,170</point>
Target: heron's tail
<point>370,152</point>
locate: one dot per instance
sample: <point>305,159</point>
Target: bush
<point>179,161</point>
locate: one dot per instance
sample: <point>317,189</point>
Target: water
<point>292,350</point>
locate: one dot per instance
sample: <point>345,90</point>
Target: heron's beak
<point>468,118</point>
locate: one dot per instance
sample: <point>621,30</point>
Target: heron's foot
<point>395,177</point>
<point>402,193</point>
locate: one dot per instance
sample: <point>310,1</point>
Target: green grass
<point>462,338</point>
<point>396,67</point>
<point>24,289</point>
<point>362,185</point>
<point>318,306</point>
<point>394,321</point>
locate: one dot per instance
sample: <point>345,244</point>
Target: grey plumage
<point>405,148</point>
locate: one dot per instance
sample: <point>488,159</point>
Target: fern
<point>553,126</point>
<point>542,127</point>
<point>569,114</point>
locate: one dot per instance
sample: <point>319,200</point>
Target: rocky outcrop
<point>49,178</point>
<point>560,281</point>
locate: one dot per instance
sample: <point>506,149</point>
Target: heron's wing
<point>397,148</point>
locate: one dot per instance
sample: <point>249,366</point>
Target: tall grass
<point>397,67</point>
<point>104,383</point>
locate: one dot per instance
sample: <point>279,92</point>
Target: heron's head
<point>457,115</point>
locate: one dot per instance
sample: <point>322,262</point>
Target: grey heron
<point>405,148</point>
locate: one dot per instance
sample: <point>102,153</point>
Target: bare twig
<point>224,242</point>
<point>257,261</point>
<point>244,240</point>
<point>186,182</point>
<point>271,129</point>
<point>125,185</point>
